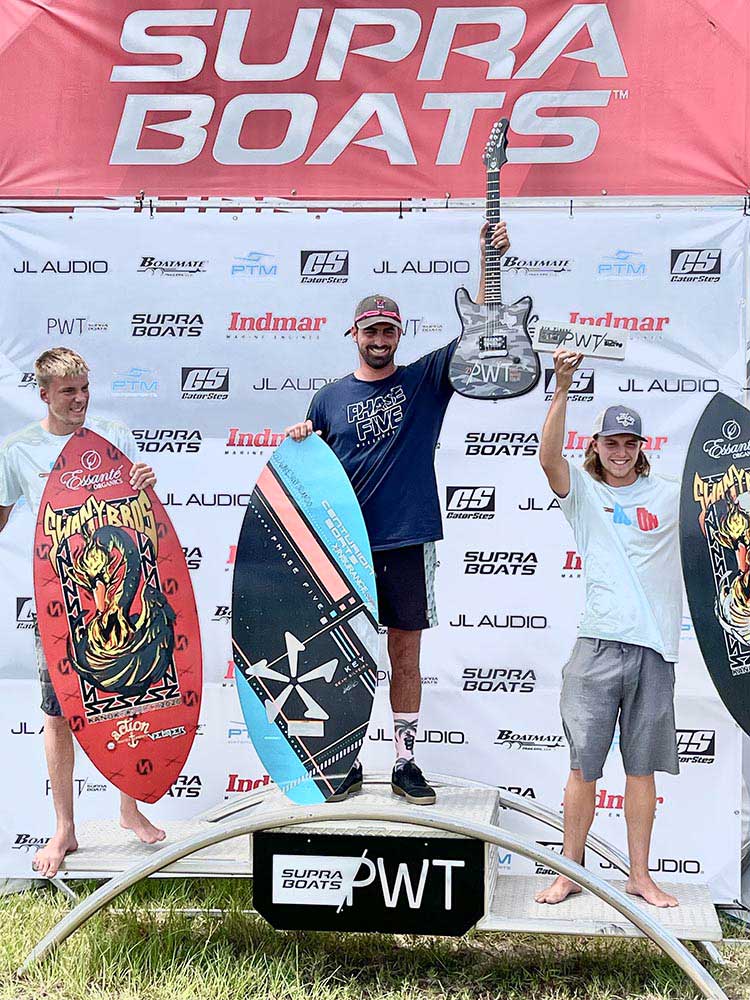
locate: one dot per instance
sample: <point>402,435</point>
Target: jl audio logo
<point>313,723</point>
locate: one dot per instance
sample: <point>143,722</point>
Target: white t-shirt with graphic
<point>27,458</point>
<point>628,541</point>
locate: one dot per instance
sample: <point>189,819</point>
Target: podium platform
<point>387,831</point>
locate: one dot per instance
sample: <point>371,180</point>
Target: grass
<point>136,955</point>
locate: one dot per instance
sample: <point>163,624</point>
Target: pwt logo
<point>205,383</point>
<point>696,265</point>
<point>324,267</point>
<point>470,502</point>
<point>696,746</point>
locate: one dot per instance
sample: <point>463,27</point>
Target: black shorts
<point>405,580</point>
<point>50,705</point>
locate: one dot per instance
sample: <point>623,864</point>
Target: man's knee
<point>576,778</point>
<point>56,724</point>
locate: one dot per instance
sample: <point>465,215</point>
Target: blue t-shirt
<point>385,433</point>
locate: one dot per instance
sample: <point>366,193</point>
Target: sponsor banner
<point>386,99</point>
<point>509,584</point>
<point>409,885</point>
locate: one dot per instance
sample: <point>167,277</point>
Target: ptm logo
<point>470,502</point>
<point>622,264</point>
<point>696,265</point>
<point>324,267</point>
<point>205,383</point>
<point>255,264</point>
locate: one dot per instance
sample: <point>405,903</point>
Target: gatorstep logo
<point>695,265</point>
<point>696,746</point>
<point>476,503</point>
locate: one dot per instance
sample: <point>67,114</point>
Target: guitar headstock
<point>494,152</point>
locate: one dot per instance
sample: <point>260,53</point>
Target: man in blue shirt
<point>383,422</point>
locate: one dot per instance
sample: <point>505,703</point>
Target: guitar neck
<point>493,257</point>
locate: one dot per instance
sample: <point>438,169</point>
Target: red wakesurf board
<point>117,618</point>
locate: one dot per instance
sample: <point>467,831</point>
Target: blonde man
<point>26,459</point>
<point>622,666</point>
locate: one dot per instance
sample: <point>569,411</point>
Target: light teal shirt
<point>27,457</point>
<point>628,541</point>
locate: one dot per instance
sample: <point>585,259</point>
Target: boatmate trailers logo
<point>172,268</point>
<point>171,48</point>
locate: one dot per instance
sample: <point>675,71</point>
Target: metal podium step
<point>105,849</point>
<point>513,909</point>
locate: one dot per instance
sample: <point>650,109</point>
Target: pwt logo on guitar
<point>470,502</point>
<point>695,265</point>
<point>328,267</point>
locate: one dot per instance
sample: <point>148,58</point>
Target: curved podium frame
<point>416,816</point>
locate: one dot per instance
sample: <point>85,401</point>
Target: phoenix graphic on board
<point>494,358</point>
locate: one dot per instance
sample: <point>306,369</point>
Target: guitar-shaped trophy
<point>494,358</point>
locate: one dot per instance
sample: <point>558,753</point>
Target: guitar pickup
<point>493,345</point>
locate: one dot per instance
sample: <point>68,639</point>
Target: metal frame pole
<point>486,832</point>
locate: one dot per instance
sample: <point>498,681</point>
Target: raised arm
<point>553,433</point>
<point>499,239</point>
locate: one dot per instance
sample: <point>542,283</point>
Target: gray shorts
<point>604,679</point>
<point>50,705</point>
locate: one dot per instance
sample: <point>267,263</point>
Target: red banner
<point>388,99</point>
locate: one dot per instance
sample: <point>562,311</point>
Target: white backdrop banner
<point>208,334</point>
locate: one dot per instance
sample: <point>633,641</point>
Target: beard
<point>376,360</point>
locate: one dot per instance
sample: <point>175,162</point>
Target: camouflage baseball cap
<point>376,309</point>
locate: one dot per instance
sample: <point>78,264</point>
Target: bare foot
<point>560,889</point>
<point>647,889</point>
<point>48,859</point>
<point>144,830</point>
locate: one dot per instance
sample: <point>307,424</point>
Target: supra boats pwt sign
<point>397,885</point>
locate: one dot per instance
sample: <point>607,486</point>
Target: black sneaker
<point>408,781</point>
<point>352,783</point>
